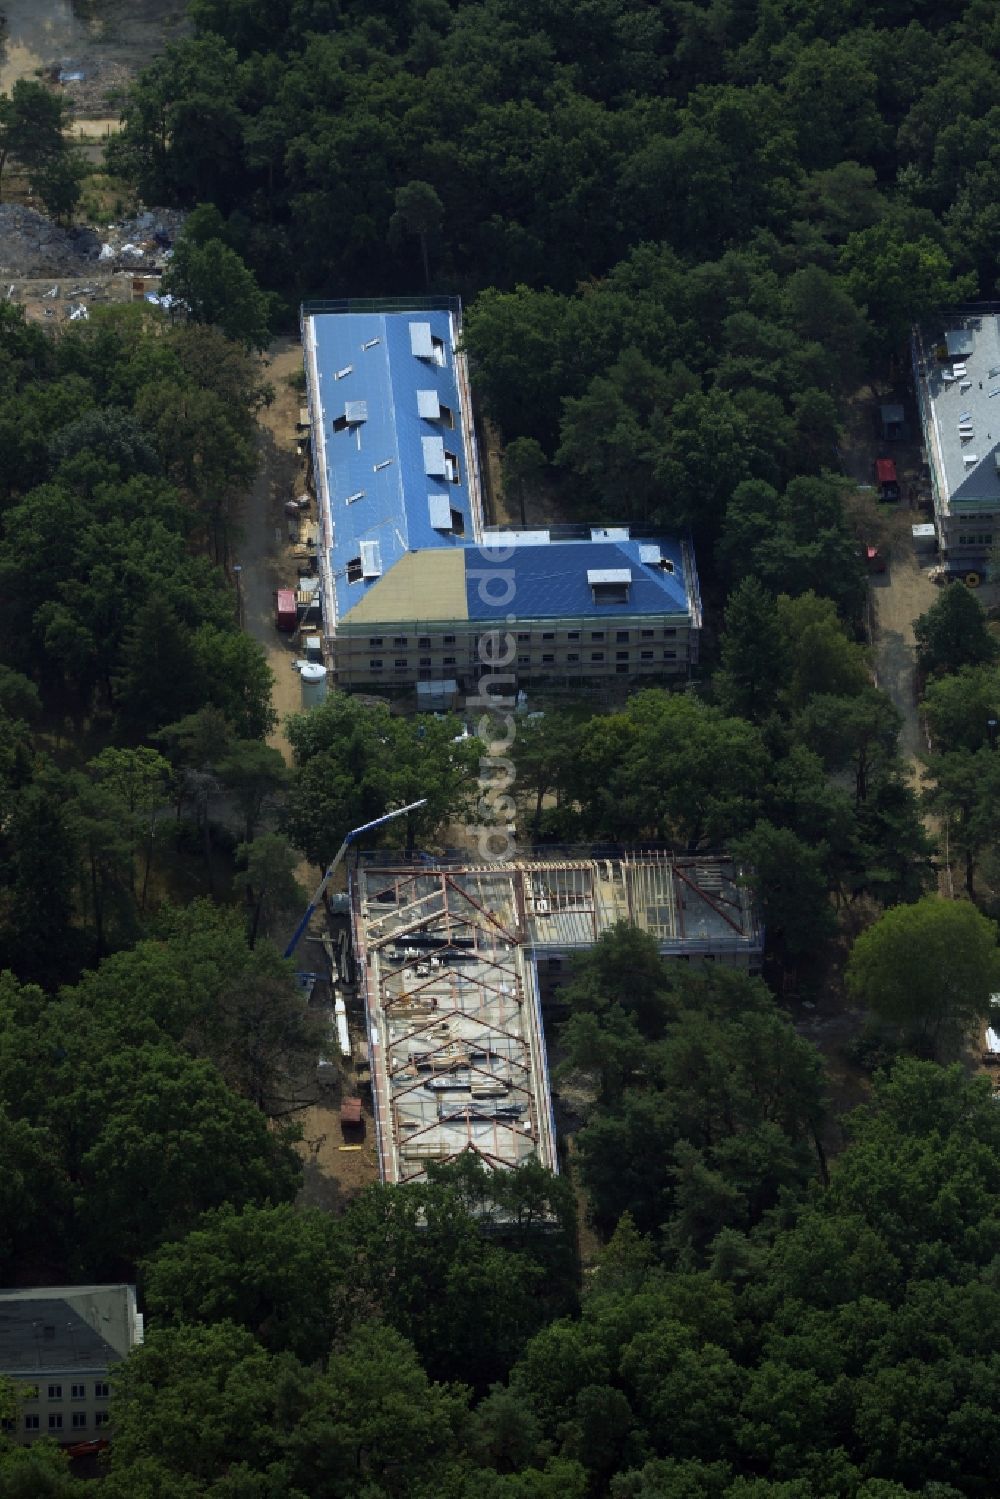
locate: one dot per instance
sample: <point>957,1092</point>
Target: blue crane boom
<point>366,827</point>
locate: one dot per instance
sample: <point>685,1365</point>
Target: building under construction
<point>451,958</point>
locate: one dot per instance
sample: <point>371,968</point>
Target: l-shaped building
<point>412,578</point>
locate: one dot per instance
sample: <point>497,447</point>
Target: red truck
<point>885,478</point>
<point>286,615</point>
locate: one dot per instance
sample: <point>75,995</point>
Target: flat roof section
<point>422,587</point>
<point>960,406</point>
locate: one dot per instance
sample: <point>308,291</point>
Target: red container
<point>885,478</point>
<point>286,616</point>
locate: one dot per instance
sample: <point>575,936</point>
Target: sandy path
<point>264,552</point>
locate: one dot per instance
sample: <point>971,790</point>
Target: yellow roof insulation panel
<point>422,585</point>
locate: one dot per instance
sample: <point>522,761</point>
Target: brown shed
<point>350,1111</point>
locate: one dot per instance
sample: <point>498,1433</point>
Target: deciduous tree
<point>953,633</point>
<point>928,970</point>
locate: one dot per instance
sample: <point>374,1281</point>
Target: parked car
<point>876,559</point>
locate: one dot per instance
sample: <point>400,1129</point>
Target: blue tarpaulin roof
<point>549,581</point>
<point>397,481</point>
<point>378,461</point>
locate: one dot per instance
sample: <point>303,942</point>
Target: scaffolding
<point>448,955</point>
<point>454,1023</point>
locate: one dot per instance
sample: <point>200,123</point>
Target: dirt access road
<point>336,1168</point>
<point>898,598</point>
<point>265,553</point>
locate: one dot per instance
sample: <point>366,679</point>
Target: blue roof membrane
<point>376,472</point>
<point>549,581</point>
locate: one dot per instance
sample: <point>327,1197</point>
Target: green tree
<point>522,467</point>
<point>856,732</point>
<point>419,212</point>
<point>953,633</point>
<point>238,680</point>
<point>105,836</point>
<point>40,940</point>
<point>201,985</point>
<point>467,1301</point>
<point>725,1114</point>
<point>900,277</point>
<point>276,1271</point>
<point>40,1471</point>
<point>140,780</point>
<point>967,793</point>
<point>354,762</point>
<point>927,970</point>
<point>542,753</point>
<point>272,889</point>
<point>754,654</point>
<point>59,183</point>
<point>30,1189</point>
<point>670,767</point>
<point>253,773</point>
<point>959,706</point>
<point>159,678</point>
<point>623,969</point>
<point>370,1423</point>
<point>218,287</point>
<point>821,656</point>
<point>789,878</point>
<point>32,120</point>
<point>158,1138</point>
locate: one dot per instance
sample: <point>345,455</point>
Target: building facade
<point>412,580</point>
<point>956,372</point>
<point>60,1345</point>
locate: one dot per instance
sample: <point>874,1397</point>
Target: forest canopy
<point>686,235</point>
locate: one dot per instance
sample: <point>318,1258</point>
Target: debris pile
<point>144,240</point>
<point>91,85</point>
<point>31,244</point>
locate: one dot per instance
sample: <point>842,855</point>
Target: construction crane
<point>366,827</point>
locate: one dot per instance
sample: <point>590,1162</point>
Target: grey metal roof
<point>371,560</point>
<point>439,510</point>
<point>596,576</point>
<point>420,340</point>
<point>495,538</point>
<point>963,406</point>
<point>434,463</point>
<point>66,1327</point>
<point>428,405</point>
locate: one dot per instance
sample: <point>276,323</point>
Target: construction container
<point>286,614</point>
<point>314,683</point>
